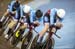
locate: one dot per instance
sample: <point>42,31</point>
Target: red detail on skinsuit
<point>49,11</point>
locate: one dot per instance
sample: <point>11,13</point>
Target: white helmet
<point>61,13</point>
<point>26,9</point>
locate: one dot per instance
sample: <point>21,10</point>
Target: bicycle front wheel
<point>26,40</point>
<point>49,44</point>
<point>34,43</point>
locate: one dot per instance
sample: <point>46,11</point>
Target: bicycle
<point>3,25</point>
<point>48,44</point>
<point>17,36</point>
<point>28,37</point>
<point>12,31</point>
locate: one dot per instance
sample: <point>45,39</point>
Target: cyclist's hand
<point>21,19</point>
<point>14,12</point>
<point>37,23</point>
<point>59,24</point>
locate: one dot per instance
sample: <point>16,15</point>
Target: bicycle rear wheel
<point>15,40</point>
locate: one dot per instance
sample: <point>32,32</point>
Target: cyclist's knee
<point>11,24</point>
<point>23,26</point>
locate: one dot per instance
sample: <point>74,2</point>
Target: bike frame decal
<point>17,33</point>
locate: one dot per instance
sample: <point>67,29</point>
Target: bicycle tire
<point>26,40</point>
<point>15,40</point>
<point>49,44</point>
<point>34,43</point>
<point>1,31</point>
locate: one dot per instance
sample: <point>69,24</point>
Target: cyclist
<point>30,17</point>
<point>33,20</point>
<point>12,6</point>
<point>14,11</point>
<point>54,18</point>
<point>36,18</point>
<point>21,25</point>
<point>25,13</point>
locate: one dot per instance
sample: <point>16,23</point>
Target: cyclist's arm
<point>21,12</point>
<point>46,26</point>
<point>11,6</point>
<point>32,16</point>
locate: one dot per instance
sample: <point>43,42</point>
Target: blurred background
<point>67,33</point>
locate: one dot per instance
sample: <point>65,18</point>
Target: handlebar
<point>56,35</point>
<point>33,28</point>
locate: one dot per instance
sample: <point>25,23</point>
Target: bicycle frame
<point>49,38</point>
<point>29,34</point>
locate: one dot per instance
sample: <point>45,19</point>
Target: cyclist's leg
<point>22,28</point>
<point>7,28</point>
<point>17,26</point>
<point>4,25</point>
<point>3,17</point>
<point>45,37</point>
<point>6,21</point>
<point>10,26</point>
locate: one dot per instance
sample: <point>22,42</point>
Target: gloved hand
<point>59,25</point>
<point>36,23</point>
